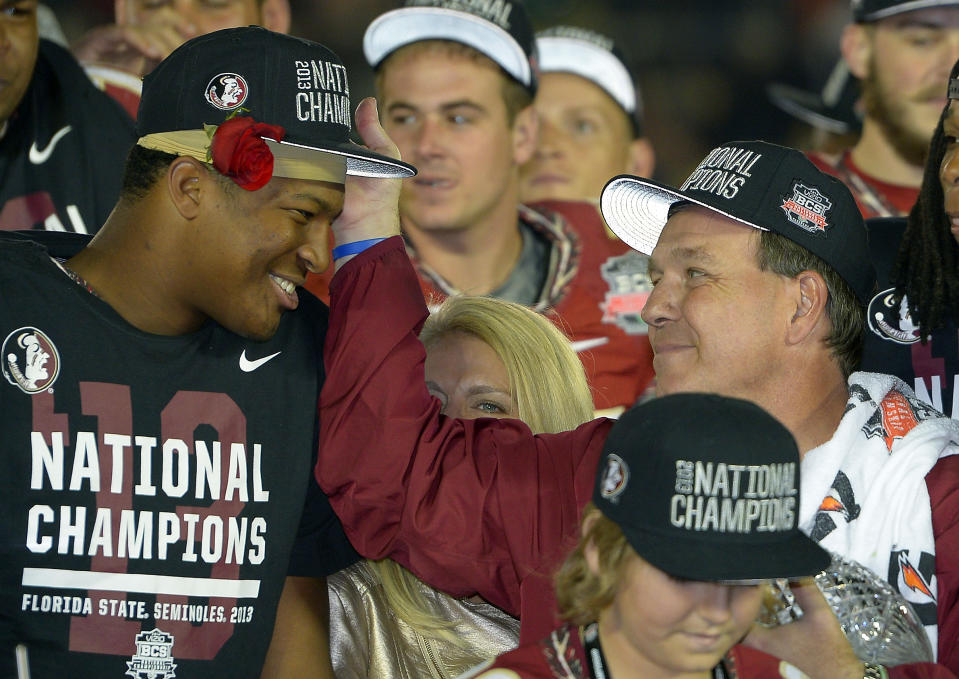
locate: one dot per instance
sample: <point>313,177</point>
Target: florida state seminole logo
<point>807,208</point>
<point>227,91</point>
<point>615,477</point>
<point>154,656</point>
<point>30,360</point>
<point>890,318</point>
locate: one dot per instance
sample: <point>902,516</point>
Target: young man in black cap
<point>159,403</point>
<point>62,141</point>
<point>648,593</point>
<point>761,274</point>
<point>901,51</point>
<point>455,82</point>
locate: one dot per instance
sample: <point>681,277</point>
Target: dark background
<point>702,66</point>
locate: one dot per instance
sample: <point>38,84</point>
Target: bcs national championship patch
<point>807,208</point>
<point>629,287</point>
<point>890,318</point>
<point>227,91</point>
<point>153,658</point>
<point>30,360</point>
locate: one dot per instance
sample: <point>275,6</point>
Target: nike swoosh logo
<point>248,366</point>
<point>38,157</point>
<point>584,345</point>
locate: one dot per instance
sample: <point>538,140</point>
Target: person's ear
<point>525,135</point>
<point>856,46</point>
<point>276,15</point>
<point>642,158</point>
<point>812,294</point>
<point>186,181</point>
<point>590,550</point>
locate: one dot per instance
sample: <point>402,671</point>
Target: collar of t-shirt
<point>526,280</point>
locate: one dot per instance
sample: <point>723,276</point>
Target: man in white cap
<point>455,82</point>
<point>590,118</point>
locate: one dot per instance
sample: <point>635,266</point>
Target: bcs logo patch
<point>629,287</point>
<point>807,208</point>
<point>615,477</point>
<point>891,320</point>
<point>30,360</point>
<point>154,656</point>
<point>227,91</point>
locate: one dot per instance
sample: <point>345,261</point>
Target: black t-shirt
<point>153,486</point>
<point>62,155</point>
<point>893,343</point>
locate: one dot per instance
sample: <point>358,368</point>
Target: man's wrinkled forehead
<point>690,236</point>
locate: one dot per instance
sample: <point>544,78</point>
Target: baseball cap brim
<point>592,62</point>
<point>636,210</point>
<point>407,25</point>
<point>807,107</point>
<point>795,556</point>
<point>901,7</point>
<point>330,162</point>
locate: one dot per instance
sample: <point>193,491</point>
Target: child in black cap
<point>694,507</point>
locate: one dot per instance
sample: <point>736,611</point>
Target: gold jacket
<point>368,642</point>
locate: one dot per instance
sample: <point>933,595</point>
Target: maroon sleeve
<point>943,484</point>
<point>468,505</point>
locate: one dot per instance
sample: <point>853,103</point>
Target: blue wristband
<point>355,247</point>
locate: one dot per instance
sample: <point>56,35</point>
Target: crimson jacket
<point>480,506</point>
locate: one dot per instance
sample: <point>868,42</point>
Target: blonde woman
<point>484,358</point>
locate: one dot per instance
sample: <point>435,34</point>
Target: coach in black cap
<point>177,361</point>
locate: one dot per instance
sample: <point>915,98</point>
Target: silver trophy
<point>881,626</point>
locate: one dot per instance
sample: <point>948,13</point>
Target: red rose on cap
<point>239,152</point>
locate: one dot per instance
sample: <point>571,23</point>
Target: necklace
<point>77,278</point>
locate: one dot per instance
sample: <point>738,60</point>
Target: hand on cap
<point>815,643</point>
<point>134,49</point>
<point>371,205</point>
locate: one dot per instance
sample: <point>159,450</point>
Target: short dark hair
<point>144,167</point>
<point>847,315</point>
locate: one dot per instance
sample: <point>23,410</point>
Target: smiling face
<point>468,378</point>
<point>18,52</point>
<point>949,168</point>
<point>717,323</point>
<point>661,626</point>
<point>584,140</point>
<point>251,249</point>
<point>447,114</point>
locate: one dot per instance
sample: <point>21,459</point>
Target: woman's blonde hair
<point>580,593</point>
<point>548,386</point>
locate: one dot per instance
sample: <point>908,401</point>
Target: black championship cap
<point>273,78</point>
<point>706,487</point>
<point>595,57</point>
<point>834,110</point>
<point>500,29</point>
<point>762,185</point>
<point>872,10</point>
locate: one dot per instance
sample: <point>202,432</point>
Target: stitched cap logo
<point>615,477</point>
<point>227,91</point>
<point>807,208</point>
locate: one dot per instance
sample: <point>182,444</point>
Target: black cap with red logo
<point>706,487</point>
<point>761,185</point>
<point>273,78</point>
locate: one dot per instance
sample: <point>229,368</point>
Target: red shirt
<point>874,197</point>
